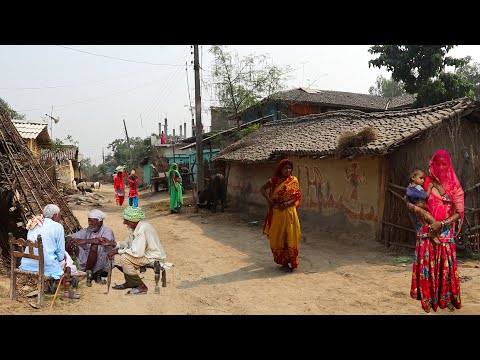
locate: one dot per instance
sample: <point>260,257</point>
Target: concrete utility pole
<point>198,116</point>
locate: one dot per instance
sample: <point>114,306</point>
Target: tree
<point>242,82</point>
<point>121,153</point>
<point>471,71</point>
<point>386,87</point>
<point>422,70</point>
<point>13,114</point>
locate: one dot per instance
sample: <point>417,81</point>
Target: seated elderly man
<point>48,225</point>
<point>88,246</point>
<point>53,239</point>
<point>142,247</point>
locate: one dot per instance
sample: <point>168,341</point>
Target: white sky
<point>93,94</point>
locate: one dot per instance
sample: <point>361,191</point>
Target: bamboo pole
<point>399,226</point>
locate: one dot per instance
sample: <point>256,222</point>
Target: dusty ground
<point>223,265</point>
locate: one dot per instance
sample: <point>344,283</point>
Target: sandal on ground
<point>120,287</point>
<point>101,281</point>
<point>71,297</point>
<point>286,268</point>
<point>135,291</point>
<point>89,278</point>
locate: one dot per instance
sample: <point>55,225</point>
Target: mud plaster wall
<point>338,196</point>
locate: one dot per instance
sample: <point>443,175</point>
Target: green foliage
<point>13,114</point>
<point>242,82</point>
<point>421,68</point>
<point>122,154</point>
<point>387,88</point>
<point>59,144</point>
<point>248,130</point>
<point>471,71</point>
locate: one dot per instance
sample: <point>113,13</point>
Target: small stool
<point>157,268</point>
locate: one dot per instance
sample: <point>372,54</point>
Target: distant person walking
<point>133,193</point>
<point>175,188</point>
<point>282,226</point>
<point>119,184</point>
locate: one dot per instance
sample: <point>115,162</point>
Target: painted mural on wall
<point>345,186</point>
<point>327,186</point>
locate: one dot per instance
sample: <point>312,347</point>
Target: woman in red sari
<point>282,226</point>
<point>119,184</point>
<point>435,279</point>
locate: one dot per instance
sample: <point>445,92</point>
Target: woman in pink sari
<point>435,279</point>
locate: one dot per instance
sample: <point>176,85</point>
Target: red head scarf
<point>277,175</point>
<point>440,167</point>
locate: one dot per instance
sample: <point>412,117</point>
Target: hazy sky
<point>92,94</point>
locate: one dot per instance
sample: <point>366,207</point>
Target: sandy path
<point>223,265</point>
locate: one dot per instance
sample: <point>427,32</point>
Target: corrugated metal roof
<point>66,152</point>
<point>29,129</point>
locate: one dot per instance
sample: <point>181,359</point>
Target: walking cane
<point>56,292</point>
<point>109,279</point>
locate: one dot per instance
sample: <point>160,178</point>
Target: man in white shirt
<point>142,247</point>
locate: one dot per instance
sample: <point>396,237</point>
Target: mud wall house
<point>62,164</point>
<point>305,101</point>
<point>360,195</point>
<point>25,188</point>
<point>35,134</point>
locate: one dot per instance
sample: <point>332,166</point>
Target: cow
<point>215,192</point>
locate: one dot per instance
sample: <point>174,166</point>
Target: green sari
<point>174,189</point>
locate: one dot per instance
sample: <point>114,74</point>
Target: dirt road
<point>223,265</point>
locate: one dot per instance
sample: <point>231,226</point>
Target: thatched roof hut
<point>25,188</point>
<point>361,192</point>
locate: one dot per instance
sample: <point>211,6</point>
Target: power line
<point>72,85</point>
<point>162,92</point>
<point>93,99</point>
<point>188,89</point>
<point>116,58</point>
<point>148,111</point>
<point>165,95</point>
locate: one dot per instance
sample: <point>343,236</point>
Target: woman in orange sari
<point>282,226</point>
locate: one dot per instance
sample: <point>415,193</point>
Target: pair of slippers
<point>134,291</point>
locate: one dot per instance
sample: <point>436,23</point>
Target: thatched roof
<point>317,135</point>
<point>343,99</point>
<point>25,188</point>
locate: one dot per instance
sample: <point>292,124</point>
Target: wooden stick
<point>399,227</point>
<point>401,244</point>
<point>396,186</point>
<point>397,195</point>
<point>56,292</point>
<point>473,228</point>
<point>473,187</point>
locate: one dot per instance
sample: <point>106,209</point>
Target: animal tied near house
<point>215,192</point>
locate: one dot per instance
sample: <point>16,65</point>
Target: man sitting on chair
<point>88,246</point>
<point>142,247</point>
<point>53,239</point>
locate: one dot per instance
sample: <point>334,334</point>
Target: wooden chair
<point>20,253</point>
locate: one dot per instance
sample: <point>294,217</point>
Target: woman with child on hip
<point>438,202</point>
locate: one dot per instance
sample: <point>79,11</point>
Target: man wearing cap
<point>119,184</point>
<point>88,246</point>
<point>142,247</point>
<point>52,232</point>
